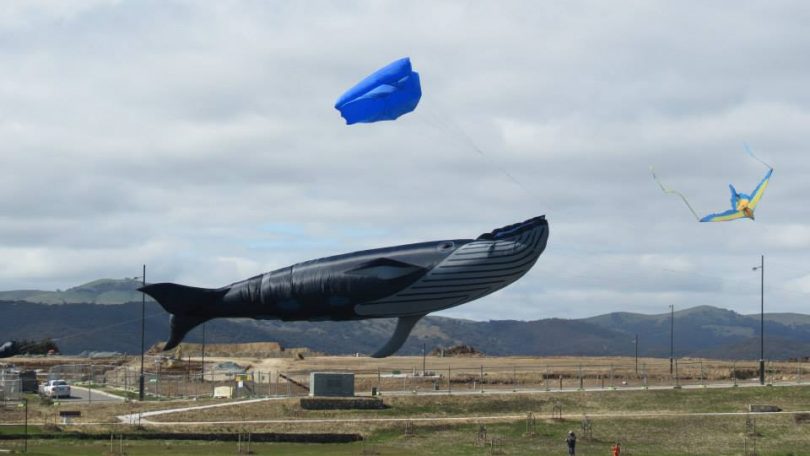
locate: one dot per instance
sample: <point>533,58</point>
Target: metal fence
<point>10,386</point>
<point>162,381</point>
<point>566,377</point>
<point>158,385</point>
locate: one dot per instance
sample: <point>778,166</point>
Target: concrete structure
<point>332,384</point>
<point>223,392</point>
<point>760,408</point>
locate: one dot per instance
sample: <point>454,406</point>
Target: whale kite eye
<point>445,246</point>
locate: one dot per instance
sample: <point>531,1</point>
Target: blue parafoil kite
<point>386,94</point>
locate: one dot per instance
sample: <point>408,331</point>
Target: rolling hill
<point>103,323</point>
<point>102,291</point>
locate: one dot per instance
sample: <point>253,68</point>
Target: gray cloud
<point>184,134</point>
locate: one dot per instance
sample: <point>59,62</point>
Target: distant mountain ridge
<point>102,291</point>
<point>95,325</point>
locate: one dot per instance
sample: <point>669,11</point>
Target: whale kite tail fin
<point>185,304</point>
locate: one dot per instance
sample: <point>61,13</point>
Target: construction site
<point>232,399</point>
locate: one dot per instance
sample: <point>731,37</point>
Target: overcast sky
<point>200,138</point>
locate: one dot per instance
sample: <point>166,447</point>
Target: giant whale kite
<point>407,282</point>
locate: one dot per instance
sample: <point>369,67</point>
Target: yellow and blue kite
<point>742,205</point>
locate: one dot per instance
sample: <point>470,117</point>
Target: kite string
<point>669,190</point>
<point>105,327</point>
<point>751,153</point>
<point>443,124</point>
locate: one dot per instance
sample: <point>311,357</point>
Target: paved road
<point>139,417</point>
<point>81,394</point>
<point>460,419</point>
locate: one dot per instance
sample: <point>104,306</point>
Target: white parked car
<point>55,388</point>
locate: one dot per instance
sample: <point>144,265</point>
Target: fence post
<point>702,378</point>
<point>90,384</point>
<point>644,372</point>
<point>157,384</point>
<point>579,374</point>
<point>677,385</point>
<point>734,372</point>
<point>25,401</point>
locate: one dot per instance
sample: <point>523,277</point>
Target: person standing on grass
<point>617,449</point>
<point>571,440</point>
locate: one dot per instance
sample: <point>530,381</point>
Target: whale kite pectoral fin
<point>401,333</point>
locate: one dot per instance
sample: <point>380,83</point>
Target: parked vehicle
<point>55,388</point>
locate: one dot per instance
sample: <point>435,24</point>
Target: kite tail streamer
<point>669,190</point>
<point>751,153</point>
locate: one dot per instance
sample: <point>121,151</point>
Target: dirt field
<point>180,377</point>
<point>430,415</point>
<point>402,373</point>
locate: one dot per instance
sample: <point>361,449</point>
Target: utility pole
<point>761,268</point>
<point>671,338</point>
<point>143,327</point>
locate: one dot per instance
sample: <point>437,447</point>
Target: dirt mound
<point>243,350</point>
<point>457,350</point>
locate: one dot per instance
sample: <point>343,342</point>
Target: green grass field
<point>660,436</point>
<point>573,403</point>
<point>783,434</point>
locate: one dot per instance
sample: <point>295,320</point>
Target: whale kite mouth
<point>514,229</point>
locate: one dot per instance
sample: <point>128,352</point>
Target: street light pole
<point>761,268</point>
<point>671,338</point>
<point>143,326</point>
